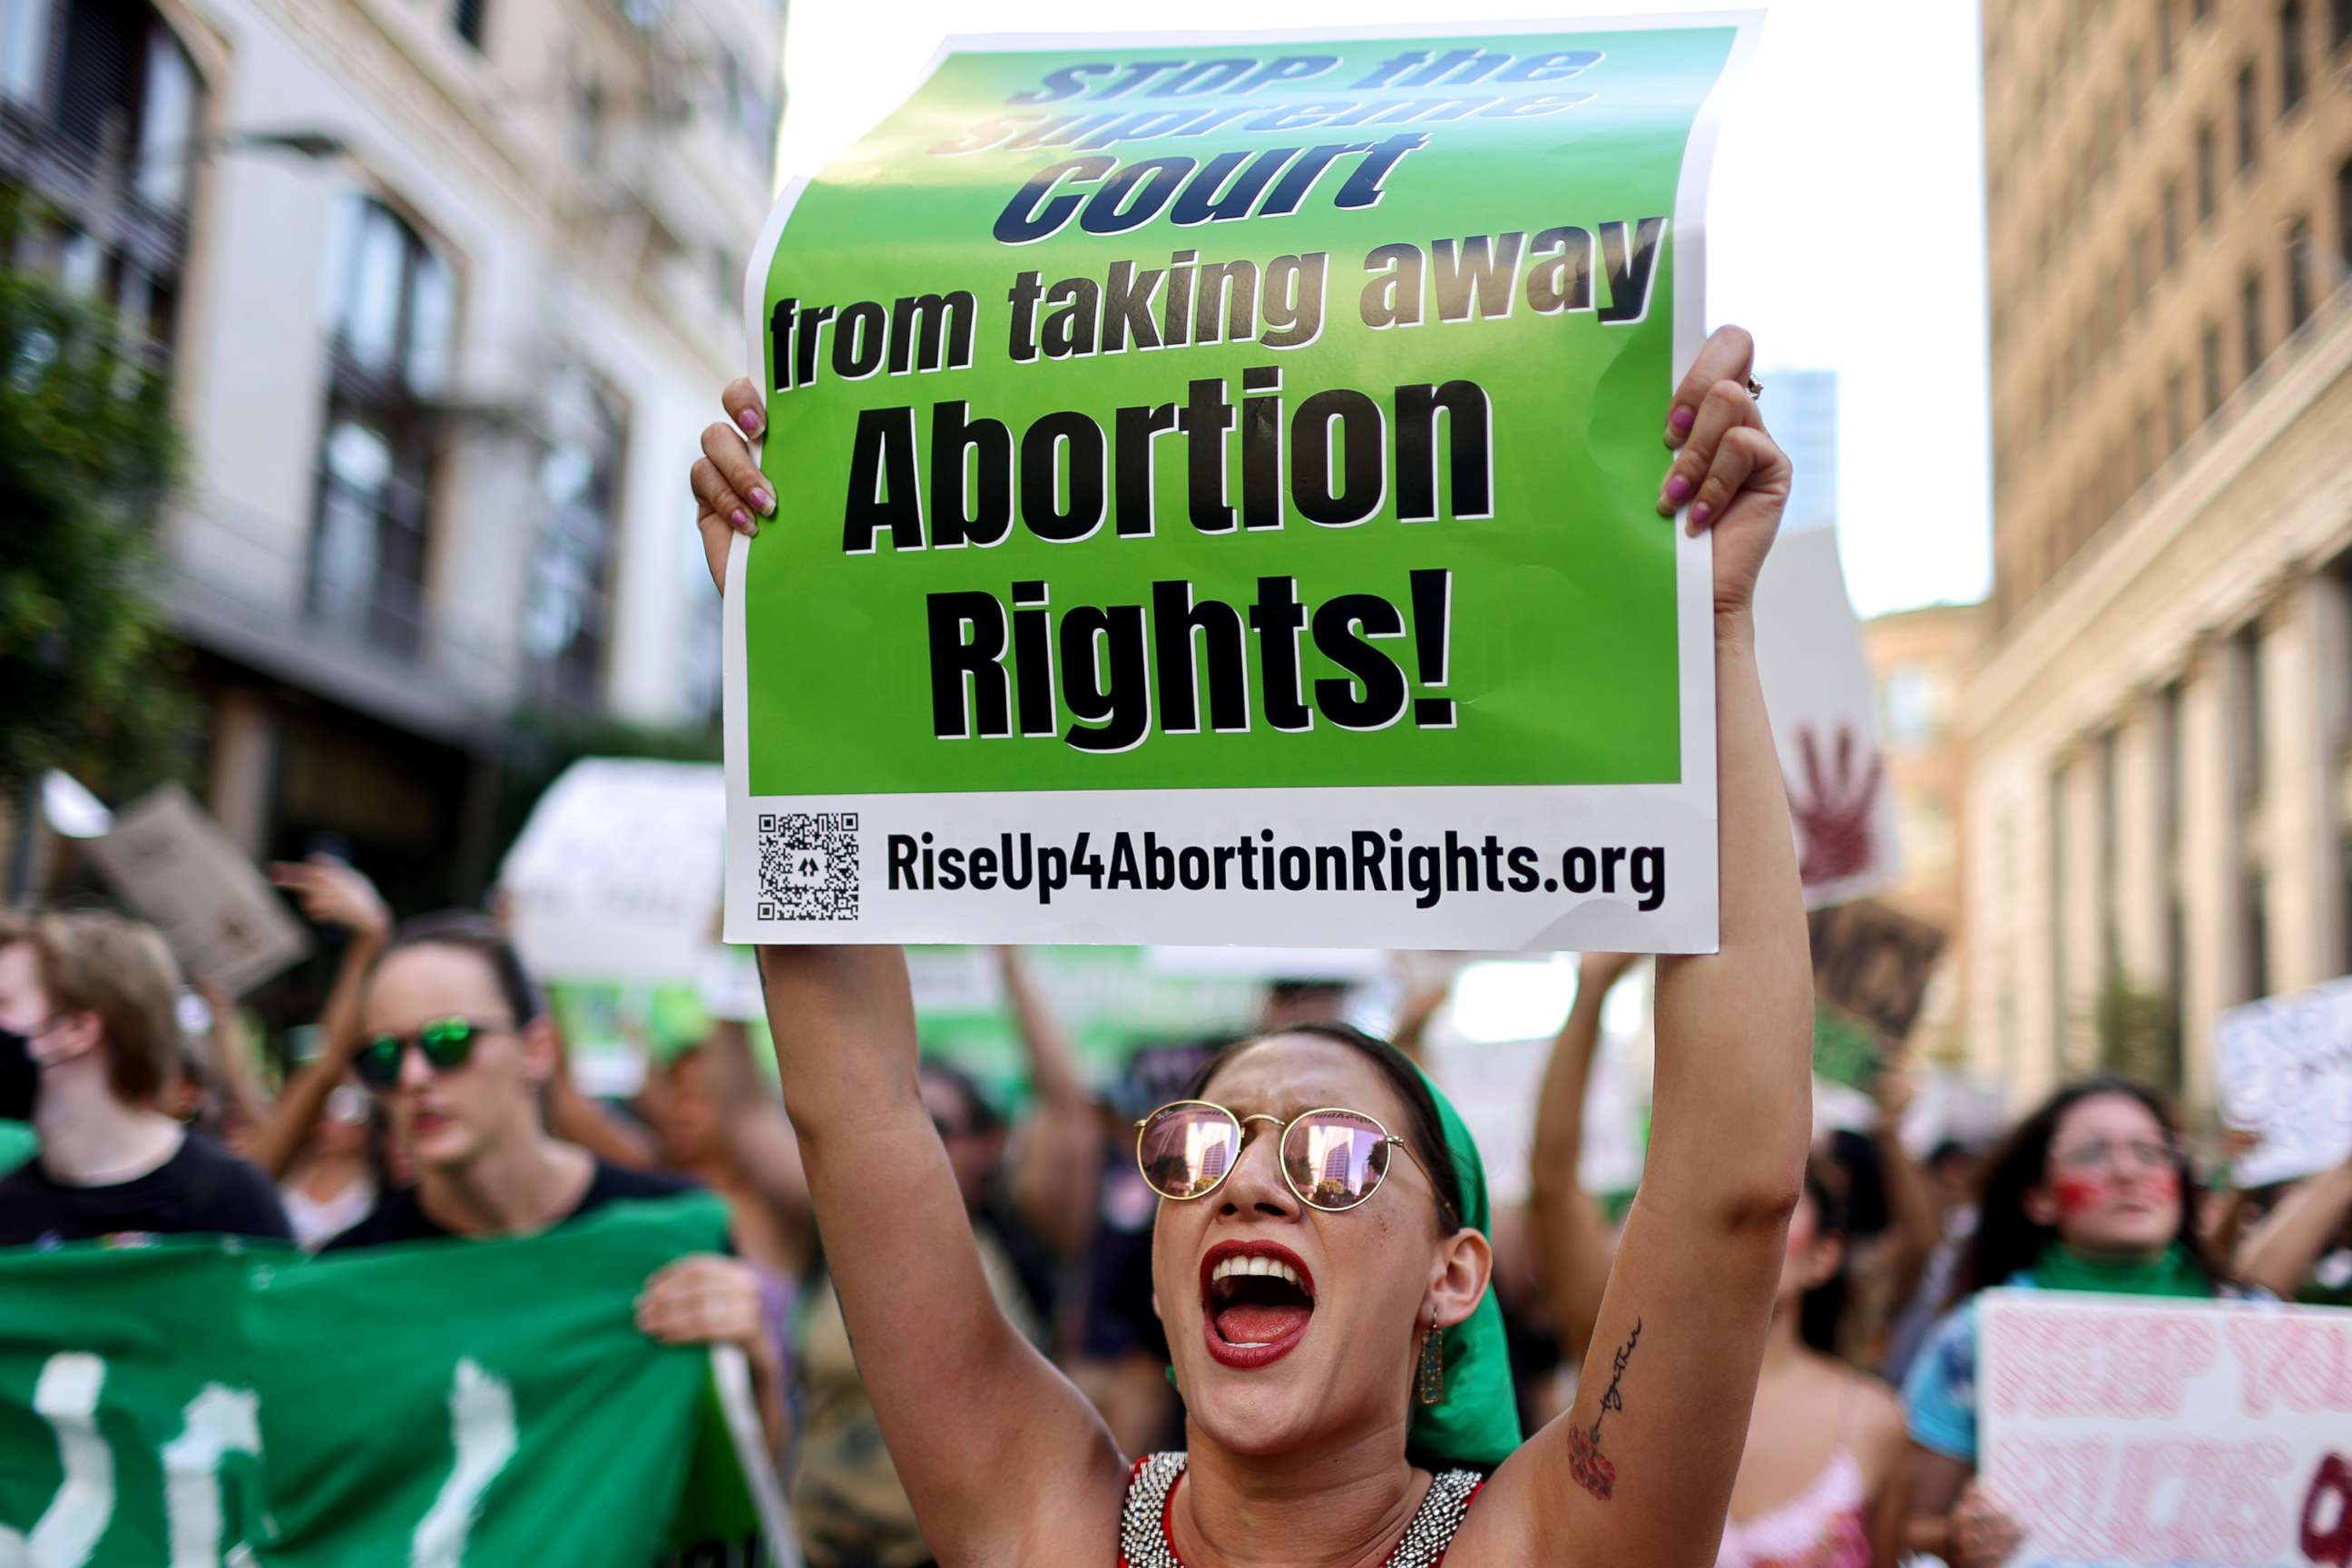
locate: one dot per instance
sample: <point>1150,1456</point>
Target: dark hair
<point>477,934</point>
<point>1425,1130</point>
<point>981,1115</point>
<point>1946,1151</point>
<point>1866,1210</point>
<point>1822,1311</point>
<point>2007,1240</point>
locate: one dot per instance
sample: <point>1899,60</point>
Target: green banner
<point>1265,415</point>
<point>442,1403</point>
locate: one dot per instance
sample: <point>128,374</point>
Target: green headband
<point>1477,1420</point>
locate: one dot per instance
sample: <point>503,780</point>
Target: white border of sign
<point>1682,815</point>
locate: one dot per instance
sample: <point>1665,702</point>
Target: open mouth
<point>1256,1300</point>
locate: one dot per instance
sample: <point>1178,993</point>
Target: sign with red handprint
<point>1833,809</point>
<point>1818,686</point>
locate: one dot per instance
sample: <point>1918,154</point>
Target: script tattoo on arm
<point>1591,1468</point>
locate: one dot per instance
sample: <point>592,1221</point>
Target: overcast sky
<point>1846,221</point>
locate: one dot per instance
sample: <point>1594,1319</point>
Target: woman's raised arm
<point>990,1443</point>
<point>1641,1468</point>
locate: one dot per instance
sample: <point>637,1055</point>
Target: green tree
<point>88,456</point>
<point>2138,1033</point>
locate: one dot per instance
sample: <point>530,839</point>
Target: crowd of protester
<point>437,1105</point>
<point>1010,1277</point>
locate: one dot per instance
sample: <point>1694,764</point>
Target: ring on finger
<point>1755,387</point>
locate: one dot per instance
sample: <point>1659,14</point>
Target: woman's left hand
<point>1727,469</point>
<point>703,1300</point>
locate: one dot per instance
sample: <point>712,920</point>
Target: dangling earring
<point>1431,1382</point>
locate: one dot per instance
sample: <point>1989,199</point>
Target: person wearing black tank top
<point>1304,1274</point>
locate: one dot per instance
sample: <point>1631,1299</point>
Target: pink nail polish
<point>763,500</point>
<point>1678,490</point>
<point>1683,419</point>
<point>742,518</point>
<point>750,419</point>
<point>1699,515</point>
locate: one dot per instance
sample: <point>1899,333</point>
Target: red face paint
<point>2079,1194</point>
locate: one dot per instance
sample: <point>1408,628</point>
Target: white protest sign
<point>2283,1069</point>
<point>2118,1431</point>
<point>1497,1087</point>
<point>176,869</point>
<point>617,874</point>
<point>1817,686</point>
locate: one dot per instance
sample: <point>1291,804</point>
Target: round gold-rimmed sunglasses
<point>1332,1158</point>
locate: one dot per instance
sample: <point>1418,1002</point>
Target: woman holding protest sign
<point>2092,1191</point>
<point>1341,1358</point>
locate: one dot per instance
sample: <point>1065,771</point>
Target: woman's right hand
<point>731,494</point>
<point>1982,1535</point>
<point>334,894</point>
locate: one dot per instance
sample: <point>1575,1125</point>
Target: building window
<point>2344,215</point>
<point>2176,413</point>
<point>2172,738</point>
<point>2249,110</point>
<point>2258,935</point>
<point>391,313</point>
<point>2298,275</point>
<point>103,121</point>
<point>2057,910</point>
<point>2110,864</point>
<point>468,18</point>
<point>2343,23</point>
<point>2292,75</point>
<point>2213,389</point>
<point>2250,321</point>
<point>2208,174</point>
<point>2252,739</point>
<point>2134,92</point>
<point>2164,10</point>
<point>567,620</point>
<point>2171,223</point>
<point>1912,701</point>
<point>2199,10</point>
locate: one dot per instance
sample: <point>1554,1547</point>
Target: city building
<point>2160,817</point>
<point>447,289</point>
<point>1920,662</point>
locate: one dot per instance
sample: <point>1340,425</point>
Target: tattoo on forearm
<point>1586,1462</point>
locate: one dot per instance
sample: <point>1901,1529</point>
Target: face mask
<point>20,1080</point>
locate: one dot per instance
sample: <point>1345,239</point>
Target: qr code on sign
<point>808,865</point>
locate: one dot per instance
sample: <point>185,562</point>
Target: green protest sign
<point>1217,486</point>
<point>445,1403</point>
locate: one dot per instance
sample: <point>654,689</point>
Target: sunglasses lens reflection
<point>1335,1158</point>
<point>1185,1150</point>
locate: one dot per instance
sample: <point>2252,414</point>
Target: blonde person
<point>1306,1442</point>
<point>89,1001</point>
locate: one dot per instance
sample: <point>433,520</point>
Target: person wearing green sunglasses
<point>1315,1286</point>
<point>457,1045</point>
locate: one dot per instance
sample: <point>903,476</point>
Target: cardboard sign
<point>2283,1069</point>
<point>2116,1431</point>
<point>617,874</point>
<point>1222,477</point>
<point>1873,964</point>
<point>1817,686</point>
<point>177,870</point>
